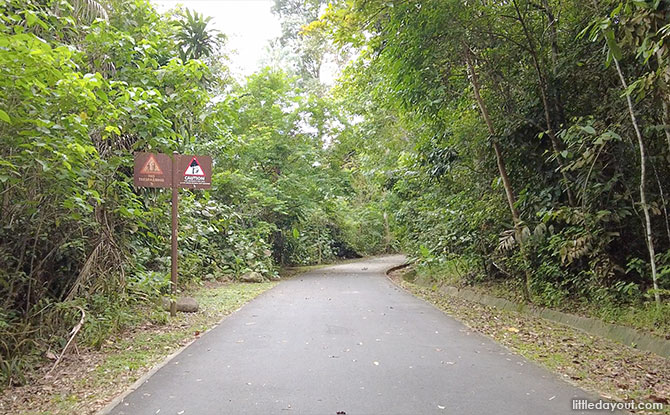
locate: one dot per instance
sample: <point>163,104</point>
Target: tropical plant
<point>194,38</point>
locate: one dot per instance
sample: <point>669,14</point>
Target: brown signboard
<point>189,172</point>
<point>152,170</point>
<point>194,172</point>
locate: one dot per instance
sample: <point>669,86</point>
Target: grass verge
<point>637,313</point>
<point>612,370</point>
<point>87,380</point>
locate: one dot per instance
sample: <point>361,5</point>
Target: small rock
<point>184,304</point>
<point>251,276</point>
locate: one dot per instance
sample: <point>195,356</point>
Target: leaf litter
<point>612,370</point>
<point>88,379</point>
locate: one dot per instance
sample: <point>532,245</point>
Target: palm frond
<point>89,10</point>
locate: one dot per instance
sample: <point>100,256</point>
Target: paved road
<point>344,339</point>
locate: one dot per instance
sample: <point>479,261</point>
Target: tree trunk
<point>511,198</point>
<point>552,26</point>
<point>555,143</point>
<point>643,194</point>
<point>509,192</point>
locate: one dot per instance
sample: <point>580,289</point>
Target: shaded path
<point>344,338</point>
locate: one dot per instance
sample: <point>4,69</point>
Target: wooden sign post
<point>178,171</point>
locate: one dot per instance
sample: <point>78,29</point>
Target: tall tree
<point>309,49</point>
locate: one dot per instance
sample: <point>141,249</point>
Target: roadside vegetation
<point>524,145</point>
<point>595,364</point>
<point>521,147</point>
<point>88,380</point>
<point>641,315</point>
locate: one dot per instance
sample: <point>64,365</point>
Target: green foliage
<point>83,86</point>
<point>396,156</point>
<point>558,117</point>
<point>194,39</point>
<point>303,51</point>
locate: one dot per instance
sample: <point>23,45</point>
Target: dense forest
<point>534,145</point>
<point>522,144</point>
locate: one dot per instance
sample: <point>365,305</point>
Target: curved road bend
<point>344,339</point>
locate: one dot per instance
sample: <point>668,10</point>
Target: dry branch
<point>73,334</point>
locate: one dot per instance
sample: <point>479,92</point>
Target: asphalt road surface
<point>345,339</point>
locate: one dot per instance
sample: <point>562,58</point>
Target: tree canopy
<point>523,144</point>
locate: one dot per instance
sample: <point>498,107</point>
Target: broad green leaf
<point>5,117</point>
<point>30,18</point>
<point>588,129</point>
<point>612,44</point>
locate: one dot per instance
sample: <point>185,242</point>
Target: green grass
<point>66,400</point>
<point>644,316</point>
<point>133,353</point>
<point>145,349</point>
<point>141,351</point>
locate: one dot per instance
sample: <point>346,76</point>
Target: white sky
<point>249,24</point>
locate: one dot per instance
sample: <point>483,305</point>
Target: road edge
<point>107,409</point>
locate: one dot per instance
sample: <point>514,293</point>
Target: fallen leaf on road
<point>618,372</point>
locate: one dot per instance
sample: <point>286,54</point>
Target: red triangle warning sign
<point>151,166</point>
<point>194,169</point>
